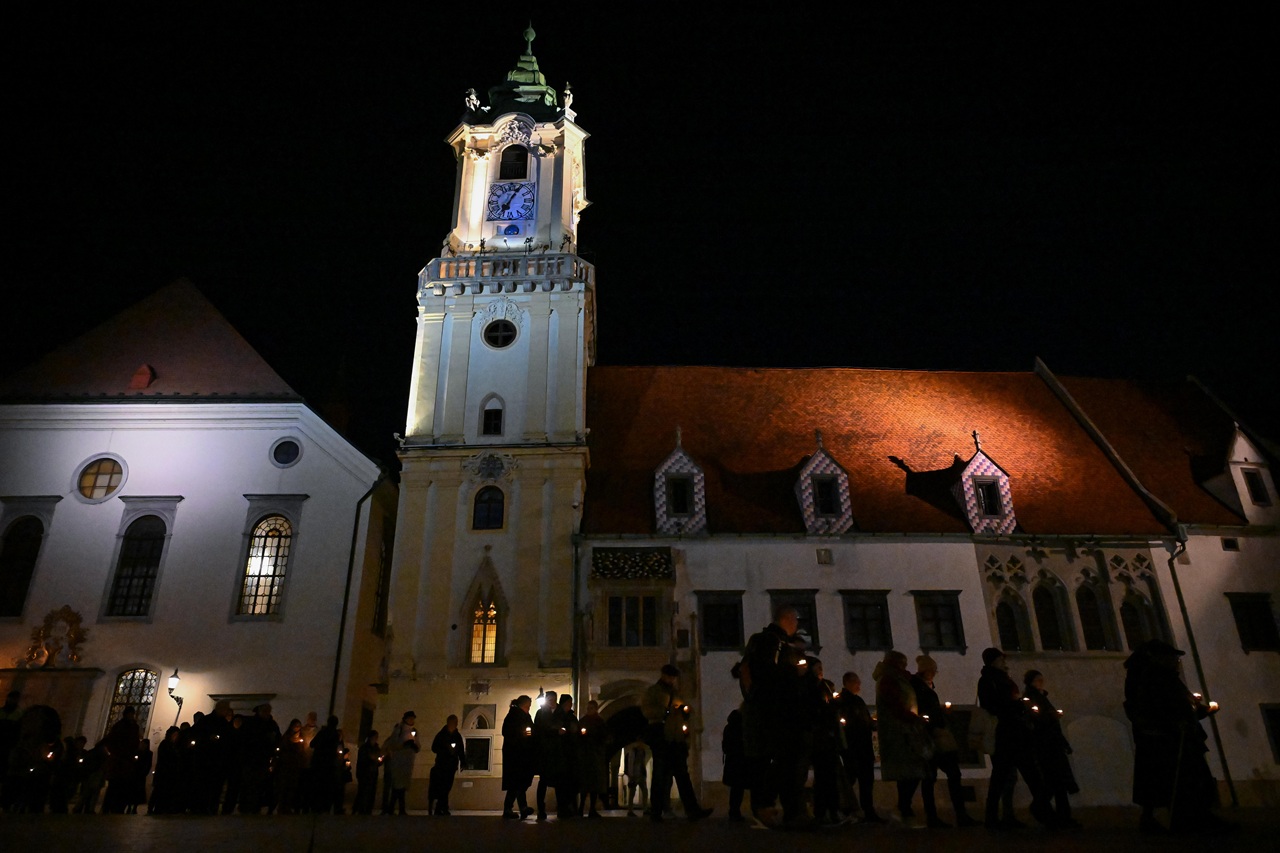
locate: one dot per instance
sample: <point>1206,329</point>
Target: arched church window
<point>1138,619</point>
<point>264,573</point>
<point>488,510</point>
<point>1007,627</point>
<point>137,567</point>
<point>1091,618</point>
<point>491,417</point>
<point>484,632</point>
<point>18,553</point>
<point>514,165</point>
<point>135,688</point>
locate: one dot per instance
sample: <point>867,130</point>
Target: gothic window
<point>720,617</point>
<point>484,632</point>
<point>491,417</point>
<point>938,617</point>
<point>1255,621</point>
<point>18,552</point>
<point>1138,619</point>
<point>135,688</point>
<point>1093,618</point>
<point>1011,624</point>
<point>264,573</point>
<point>134,582</point>
<point>866,620</point>
<point>1051,619</point>
<point>488,509</point>
<point>514,165</point>
<point>633,620</point>
<point>100,479</point>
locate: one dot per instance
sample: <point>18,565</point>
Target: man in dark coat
<point>451,753</point>
<point>667,737</point>
<point>259,737</point>
<point>1169,766</point>
<point>770,681</point>
<point>859,755</point>
<point>122,752</point>
<point>546,734</point>
<point>999,696</point>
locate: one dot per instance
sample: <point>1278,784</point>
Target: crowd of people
<point>792,722</point>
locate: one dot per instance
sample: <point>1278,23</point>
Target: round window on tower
<point>285,453</point>
<point>500,334</point>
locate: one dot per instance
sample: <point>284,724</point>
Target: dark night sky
<point>875,187</point>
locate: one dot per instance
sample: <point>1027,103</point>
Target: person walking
<point>769,678</point>
<point>403,747</point>
<point>518,758</point>
<point>905,746</point>
<point>1050,748</point>
<point>667,737</point>
<point>859,756</point>
<point>998,695</point>
<point>451,753</point>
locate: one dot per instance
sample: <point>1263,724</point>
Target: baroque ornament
<point>490,467</point>
<point>57,641</point>
<point>516,131</point>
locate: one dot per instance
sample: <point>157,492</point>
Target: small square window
<point>802,601</point>
<point>721,620</point>
<point>680,496</point>
<point>826,497</point>
<point>938,617</point>
<point>1257,486</point>
<point>988,494</point>
<point>1255,621</point>
<point>1230,543</point>
<point>866,620</point>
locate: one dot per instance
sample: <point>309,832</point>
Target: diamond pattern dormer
<point>984,495</point>
<point>822,491</point>
<point>680,494</point>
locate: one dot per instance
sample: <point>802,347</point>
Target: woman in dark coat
<point>1051,749</point>
<point>999,696</point>
<point>518,758</point>
<point>736,774</point>
<point>122,749</point>
<point>167,785</point>
<point>946,750</point>
<point>1169,766</point>
<point>593,760</point>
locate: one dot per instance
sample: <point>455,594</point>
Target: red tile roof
<point>177,333</point>
<point>752,429</point>
<point>1173,437</point>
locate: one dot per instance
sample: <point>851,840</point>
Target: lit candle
<point>1197,696</point>
<point>1059,712</point>
<point>842,721</point>
<point>584,730</point>
<point>528,731</point>
<point>1035,709</point>
<point>1213,706</point>
<point>946,706</point>
<point>193,743</point>
<point>50,756</point>
<point>926,718</point>
<point>684,728</point>
<point>414,733</point>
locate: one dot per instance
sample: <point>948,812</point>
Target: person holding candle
<point>1050,748</point>
<point>451,753</point>
<point>1169,766</point>
<point>859,756</point>
<point>518,758</point>
<point>999,696</point>
<point>592,760</point>
<point>946,750</point>
<point>667,735</point>
<point>368,762</point>
<point>403,746</point>
<point>769,677</point>
<point>546,733</point>
<point>905,746</point>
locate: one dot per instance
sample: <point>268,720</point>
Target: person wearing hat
<point>668,737</point>
<point>999,696</point>
<point>1169,766</point>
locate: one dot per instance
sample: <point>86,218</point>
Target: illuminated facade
<point>924,511</point>
<point>164,492</point>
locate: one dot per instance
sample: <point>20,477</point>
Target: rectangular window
<point>826,497</point>
<point>938,616</point>
<point>1255,621</point>
<point>633,620</point>
<point>988,495</point>
<point>720,615</point>
<point>866,620</point>
<point>1257,486</point>
<point>1230,543</point>
<point>492,422</point>
<point>478,749</point>
<point>802,601</point>
<point>680,495</point>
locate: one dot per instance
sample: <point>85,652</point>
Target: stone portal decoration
<point>57,641</point>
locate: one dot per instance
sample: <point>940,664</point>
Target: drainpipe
<point>574,654</point>
<point>1178,551</point>
<point>346,592</point>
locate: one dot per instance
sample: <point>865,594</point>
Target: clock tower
<point>481,604</point>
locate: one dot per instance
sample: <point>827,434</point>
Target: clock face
<point>511,201</point>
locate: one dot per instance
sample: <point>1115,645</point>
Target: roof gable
<point>173,345</point>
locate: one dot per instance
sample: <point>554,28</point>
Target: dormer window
<point>987,493</point>
<point>826,497</point>
<point>680,494</point>
<point>514,165</point>
<point>822,490</point>
<point>1257,487</point>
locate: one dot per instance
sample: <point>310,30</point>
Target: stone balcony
<point>479,274</point>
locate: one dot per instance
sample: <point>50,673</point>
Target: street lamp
<point>173,685</point>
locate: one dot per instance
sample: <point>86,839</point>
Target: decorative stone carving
<point>500,309</point>
<point>57,641</point>
<point>517,130</point>
<point>490,467</point>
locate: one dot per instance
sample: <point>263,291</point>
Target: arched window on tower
<point>487,512</point>
<point>134,583</point>
<point>18,553</point>
<point>491,417</point>
<point>264,572</point>
<point>484,631</point>
<point>514,165</point>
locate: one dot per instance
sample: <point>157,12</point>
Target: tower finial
<point>818,433</point>
<point>679,435</point>
<point>529,36</point>
<point>977,442</point>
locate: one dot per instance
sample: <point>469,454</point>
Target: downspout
<point>346,592</point>
<point>574,653</point>
<point>1178,551</point>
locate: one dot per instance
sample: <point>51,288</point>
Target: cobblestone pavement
<point>1105,830</point>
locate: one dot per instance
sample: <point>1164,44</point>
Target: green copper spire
<point>525,89</point>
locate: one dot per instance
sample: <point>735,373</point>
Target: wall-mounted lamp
<point>173,686</point>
